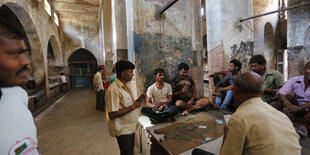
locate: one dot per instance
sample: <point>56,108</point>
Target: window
<point>56,19</point>
<point>47,7</point>
<point>282,63</point>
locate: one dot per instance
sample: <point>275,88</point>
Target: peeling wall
<point>265,44</point>
<point>298,34</point>
<point>227,37</point>
<point>160,41</point>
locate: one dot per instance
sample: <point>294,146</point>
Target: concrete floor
<point>73,127</point>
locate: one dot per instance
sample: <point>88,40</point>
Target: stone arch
<point>307,43</point>
<point>53,47</point>
<point>269,46</point>
<point>82,67</point>
<point>22,20</point>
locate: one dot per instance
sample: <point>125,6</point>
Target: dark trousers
<point>126,144</point>
<point>100,103</point>
<point>162,116</point>
<point>63,87</point>
<point>305,114</point>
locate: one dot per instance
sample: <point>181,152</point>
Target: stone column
<point>120,29</point>
<point>108,36</point>
<point>197,70</point>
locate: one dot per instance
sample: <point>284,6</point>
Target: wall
<point>80,28</point>
<point>159,41</point>
<point>298,37</point>
<point>227,37</point>
<point>264,43</point>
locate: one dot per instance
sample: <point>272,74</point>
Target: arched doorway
<point>54,62</point>
<point>269,48</point>
<point>82,64</point>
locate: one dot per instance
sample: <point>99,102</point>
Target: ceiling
<point>77,9</point>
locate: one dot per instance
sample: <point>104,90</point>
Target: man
<point>299,103</point>
<point>256,127</point>
<point>184,91</point>
<point>98,84</point>
<point>159,99</point>
<point>273,79</point>
<point>17,129</point>
<point>227,92</point>
<point>122,113</point>
<point>63,86</point>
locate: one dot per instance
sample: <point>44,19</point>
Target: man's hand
<point>138,102</point>
<point>191,101</point>
<point>161,107</point>
<point>218,94</point>
<point>158,104</point>
<point>291,107</point>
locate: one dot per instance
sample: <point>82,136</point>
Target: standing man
<point>99,89</point>
<point>159,99</point>
<point>17,129</point>
<point>184,91</point>
<point>256,127</point>
<point>227,92</point>
<point>273,79</point>
<point>297,104</point>
<point>122,113</point>
<point>63,86</point>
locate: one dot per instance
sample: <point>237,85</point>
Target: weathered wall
<point>160,41</point>
<point>80,28</point>
<point>39,28</point>
<point>298,34</point>
<point>264,30</point>
<point>228,38</point>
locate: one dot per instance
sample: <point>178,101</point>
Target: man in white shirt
<point>63,86</point>
<point>159,99</point>
<point>122,113</point>
<point>17,129</point>
<point>98,84</point>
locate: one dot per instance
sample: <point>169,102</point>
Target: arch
<point>269,45</point>
<point>57,54</point>
<point>82,67</point>
<point>307,42</point>
<point>20,18</point>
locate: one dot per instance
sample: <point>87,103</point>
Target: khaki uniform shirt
<point>118,96</point>
<point>273,80</point>
<point>256,128</point>
<point>98,84</point>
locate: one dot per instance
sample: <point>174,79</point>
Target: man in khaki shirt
<point>98,84</point>
<point>256,127</point>
<point>122,113</point>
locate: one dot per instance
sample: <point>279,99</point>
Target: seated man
<point>256,127</point>
<point>159,99</point>
<point>184,91</point>
<point>273,79</point>
<point>234,69</point>
<point>299,103</point>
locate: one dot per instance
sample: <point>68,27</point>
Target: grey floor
<point>73,126</point>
